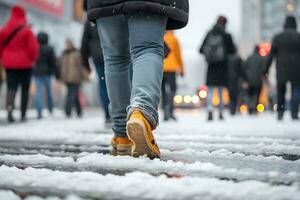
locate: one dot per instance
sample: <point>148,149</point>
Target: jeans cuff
<point>120,134</point>
<point>150,114</point>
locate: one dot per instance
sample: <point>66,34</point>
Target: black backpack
<point>214,49</point>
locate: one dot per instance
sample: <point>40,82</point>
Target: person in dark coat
<point>254,67</point>
<point>43,71</point>
<point>236,75</point>
<point>286,51</point>
<point>90,47</point>
<point>216,47</point>
<point>131,34</point>
<point>19,51</point>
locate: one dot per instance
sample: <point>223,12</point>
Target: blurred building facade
<point>261,19</point>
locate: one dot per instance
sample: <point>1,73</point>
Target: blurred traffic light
<point>264,49</point>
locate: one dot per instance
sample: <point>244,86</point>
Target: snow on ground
<point>240,158</point>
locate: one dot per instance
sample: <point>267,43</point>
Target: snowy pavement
<point>240,158</point>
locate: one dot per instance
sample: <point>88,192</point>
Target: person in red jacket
<point>18,52</point>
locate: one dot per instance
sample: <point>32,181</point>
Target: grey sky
<point>203,14</point>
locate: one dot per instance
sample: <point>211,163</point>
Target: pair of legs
<point>168,92</point>
<point>210,105</point>
<point>137,41</point>
<point>253,98</point>
<point>295,101</point>
<point>281,102</point>
<point>234,97</point>
<point>103,90</point>
<point>73,99</point>
<point>16,78</point>
<point>40,83</point>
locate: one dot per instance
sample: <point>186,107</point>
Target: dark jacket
<point>217,72</point>
<point>175,10</point>
<point>286,51</point>
<point>254,67</point>
<point>46,63</point>
<point>90,45</point>
<point>235,71</point>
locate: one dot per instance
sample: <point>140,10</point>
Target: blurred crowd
<point>25,56</point>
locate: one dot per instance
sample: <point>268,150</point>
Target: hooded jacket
<point>217,72</point>
<point>46,63</point>
<point>175,10</point>
<point>173,62</point>
<point>286,51</point>
<point>22,50</point>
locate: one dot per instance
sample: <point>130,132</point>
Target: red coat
<point>22,51</point>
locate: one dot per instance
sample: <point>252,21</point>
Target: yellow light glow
<point>243,109</point>
<point>203,94</point>
<point>178,99</point>
<point>216,101</point>
<point>195,99</point>
<point>260,108</point>
<point>187,99</point>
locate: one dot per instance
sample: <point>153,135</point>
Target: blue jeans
<point>137,41</point>
<point>295,100</point>
<point>102,89</point>
<point>210,105</point>
<point>40,82</point>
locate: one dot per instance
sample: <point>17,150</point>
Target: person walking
<point>19,50</point>
<point>254,67</point>
<point>91,47</point>
<point>43,71</point>
<point>72,74</point>
<point>131,34</point>
<point>236,76</point>
<point>173,65</point>
<point>286,51</point>
<point>216,47</point>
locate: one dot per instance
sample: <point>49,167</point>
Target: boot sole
<point>137,134</point>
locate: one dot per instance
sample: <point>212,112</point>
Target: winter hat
<point>290,22</point>
<point>43,38</point>
<point>222,20</point>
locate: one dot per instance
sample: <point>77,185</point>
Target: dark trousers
<point>233,96</point>
<point>103,90</point>
<point>295,101</point>
<point>253,95</point>
<point>168,92</point>
<point>281,90</point>
<point>73,100</point>
<point>16,78</point>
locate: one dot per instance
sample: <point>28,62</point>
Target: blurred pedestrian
<point>131,34</point>
<point>91,47</point>
<point>236,76</point>
<point>254,67</point>
<point>43,71</point>
<point>18,51</point>
<point>72,74</point>
<point>173,65</point>
<point>216,47</point>
<point>286,51</point>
